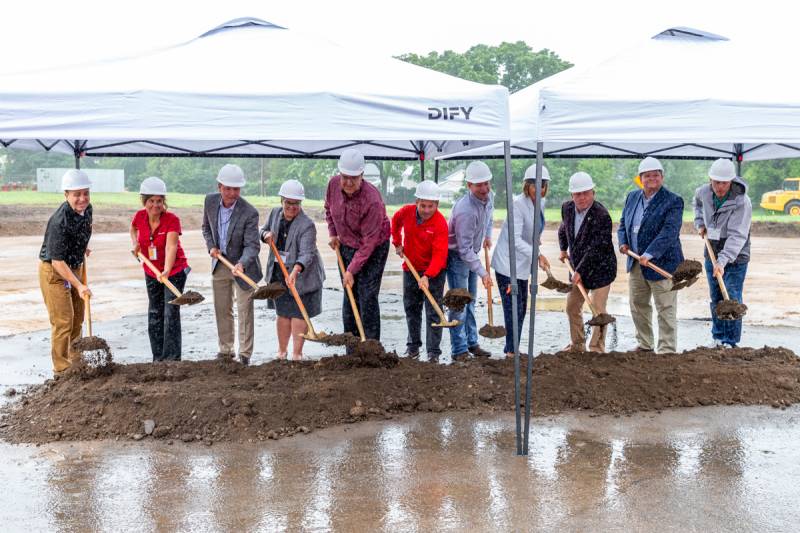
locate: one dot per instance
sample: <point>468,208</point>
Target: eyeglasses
<point>288,203</point>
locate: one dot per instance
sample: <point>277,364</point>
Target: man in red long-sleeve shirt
<point>359,228</point>
<point>424,244</point>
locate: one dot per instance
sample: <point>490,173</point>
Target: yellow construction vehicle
<point>786,200</point>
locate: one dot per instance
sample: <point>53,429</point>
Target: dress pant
<point>575,300</point>
<point>413,301</point>
<point>640,293</point>
<point>366,289</point>
<point>163,318</point>
<point>226,289</point>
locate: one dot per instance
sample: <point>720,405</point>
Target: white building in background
<point>451,185</point>
<point>103,179</point>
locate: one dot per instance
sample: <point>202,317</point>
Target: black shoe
<point>433,358</point>
<point>244,360</point>
<point>412,355</point>
<point>477,351</point>
<point>463,356</point>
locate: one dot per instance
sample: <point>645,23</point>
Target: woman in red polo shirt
<point>155,232</point>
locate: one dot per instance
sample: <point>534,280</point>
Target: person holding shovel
<point>723,214</point>
<point>584,238</point>
<point>523,237</point>
<point>419,232</point>
<point>470,229</point>
<point>650,227</point>
<point>155,233</point>
<point>61,256</point>
<point>359,230</point>
<point>230,228</point>
<point>295,237</point>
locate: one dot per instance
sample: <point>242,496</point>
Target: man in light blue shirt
<point>470,229</point>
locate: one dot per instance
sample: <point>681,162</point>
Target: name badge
<point>636,229</point>
<point>152,252</point>
<point>714,233</point>
<point>283,258</point>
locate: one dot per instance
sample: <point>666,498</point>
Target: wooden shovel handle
<point>713,257</point>
<point>244,276</point>
<point>293,290</point>
<point>426,291</point>
<point>159,277</point>
<point>582,289</point>
<point>651,265</point>
<point>489,288</point>
<point>87,298</point>
<point>351,297</point>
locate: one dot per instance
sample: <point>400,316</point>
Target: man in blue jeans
<point>723,213</point>
<point>470,229</point>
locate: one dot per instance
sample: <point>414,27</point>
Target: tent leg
<point>436,170</point>
<point>512,259</point>
<point>77,152</point>
<point>534,287</point>
<point>421,169</point>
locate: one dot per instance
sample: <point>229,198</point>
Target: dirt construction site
<point>700,439</point>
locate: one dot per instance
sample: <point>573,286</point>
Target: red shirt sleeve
<point>173,223</point>
<point>439,252</point>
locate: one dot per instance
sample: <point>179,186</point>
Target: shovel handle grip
<point>582,289</point>
<point>352,298</point>
<point>244,276</point>
<point>489,288</point>
<point>651,265</point>
<point>159,277</point>
<point>426,291</point>
<point>293,290</point>
<point>713,257</point>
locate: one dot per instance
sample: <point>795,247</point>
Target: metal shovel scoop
<point>187,298</point>
<point>443,322</point>
<point>271,290</point>
<point>686,275</point>
<point>490,331</point>
<point>95,353</point>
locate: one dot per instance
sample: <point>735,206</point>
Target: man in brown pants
<point>584,238</point>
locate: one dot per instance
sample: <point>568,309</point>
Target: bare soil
<point>556,285</point>
<point>456,299</point>
<point>219,400</point>
<point>688,269</point>
<point>731,310</point>
<point>270,290</point>
<point>492,332</point>
<point>188,298</point>
<point>601,319</point>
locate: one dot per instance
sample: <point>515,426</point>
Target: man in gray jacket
<point>230,228</point>
<point>470,230</point>
<point>723,213</point>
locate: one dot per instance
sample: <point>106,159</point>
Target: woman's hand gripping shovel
<point>187,298</point>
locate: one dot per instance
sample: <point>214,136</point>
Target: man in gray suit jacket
<point>230,228</point>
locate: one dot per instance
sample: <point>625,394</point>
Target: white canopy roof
<point>249,87</point>
<point>683,93</point>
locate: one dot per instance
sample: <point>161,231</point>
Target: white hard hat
<point>722,170</point>
<point>351,162</point>
<point>580,181</point>
<point>650,163</point>
<point>153,185</point>
<point>478,172</point>
<point>427,190</point>
<point>231,176</point>
<point>75,179</point>
<point>530,173</point>
<point>293,190</point>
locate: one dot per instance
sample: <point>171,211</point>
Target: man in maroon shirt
<point>424,242</point>
<point>359,227</point>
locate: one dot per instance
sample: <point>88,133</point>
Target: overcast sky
<point>37,33</point>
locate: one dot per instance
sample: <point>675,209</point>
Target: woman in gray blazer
<point>295,237</point>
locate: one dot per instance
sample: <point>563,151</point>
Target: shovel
<point>676,285</point>
<point>351,297</point>
<point>490,331</point>
<point>271,290</point>
<point>187,298</point>
<point>443,323</point>
<point>552,283</point>
<point>94,350</point>
<point>317,336</point>
<point>727,309</point>
<point>601,319</point>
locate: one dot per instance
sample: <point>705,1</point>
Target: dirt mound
<point>223,400</point>
<point>457,299</point>
<point>338,339</point>
<point>492,332</point>
<point>688,269</point>
<point>731,310</point>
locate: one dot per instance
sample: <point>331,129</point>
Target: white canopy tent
<point>249,88</point>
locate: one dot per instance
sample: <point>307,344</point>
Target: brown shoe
<point>477,351</point>
<point>639,349</point>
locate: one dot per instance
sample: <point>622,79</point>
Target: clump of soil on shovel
<point>687,270</point>
<point>188,298</point>
<point>339,339</point>
<point>271,290</point>
<point>730,310</point>
<point>457,299</point>
<point>95,360</point>
<point>214,400</point>
<point>602,319</point>
<point>492,332</point>
<point>556,285</point>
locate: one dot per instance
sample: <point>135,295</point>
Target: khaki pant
<point>599,298</point>
<point>640,292</point>
<point>225,286</point>
<point>65,310</point>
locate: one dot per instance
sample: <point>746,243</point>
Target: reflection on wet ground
<point>711,469</point>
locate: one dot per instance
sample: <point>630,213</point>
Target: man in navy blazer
<point>650,227</point>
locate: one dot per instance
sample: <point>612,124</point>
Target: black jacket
<point>591,251</point>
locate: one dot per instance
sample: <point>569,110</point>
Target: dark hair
<point>146,197</point>
<point>531,184</point>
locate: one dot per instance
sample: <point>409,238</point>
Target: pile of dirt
<point>457,299</point>
<point>220,400</point>
<point>337,339</point>
<point>492,332</point>
<point>731,310</point>
<point>275,289</point>
<point>688,269</point>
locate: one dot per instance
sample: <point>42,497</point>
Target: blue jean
<point>727,331</point>
<point>503,282</point>
<point>459,276</point>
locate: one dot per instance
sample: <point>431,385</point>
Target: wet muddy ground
<point>704,469</point>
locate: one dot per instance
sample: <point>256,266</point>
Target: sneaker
<point>245,360</point>
<point>477,351</point>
